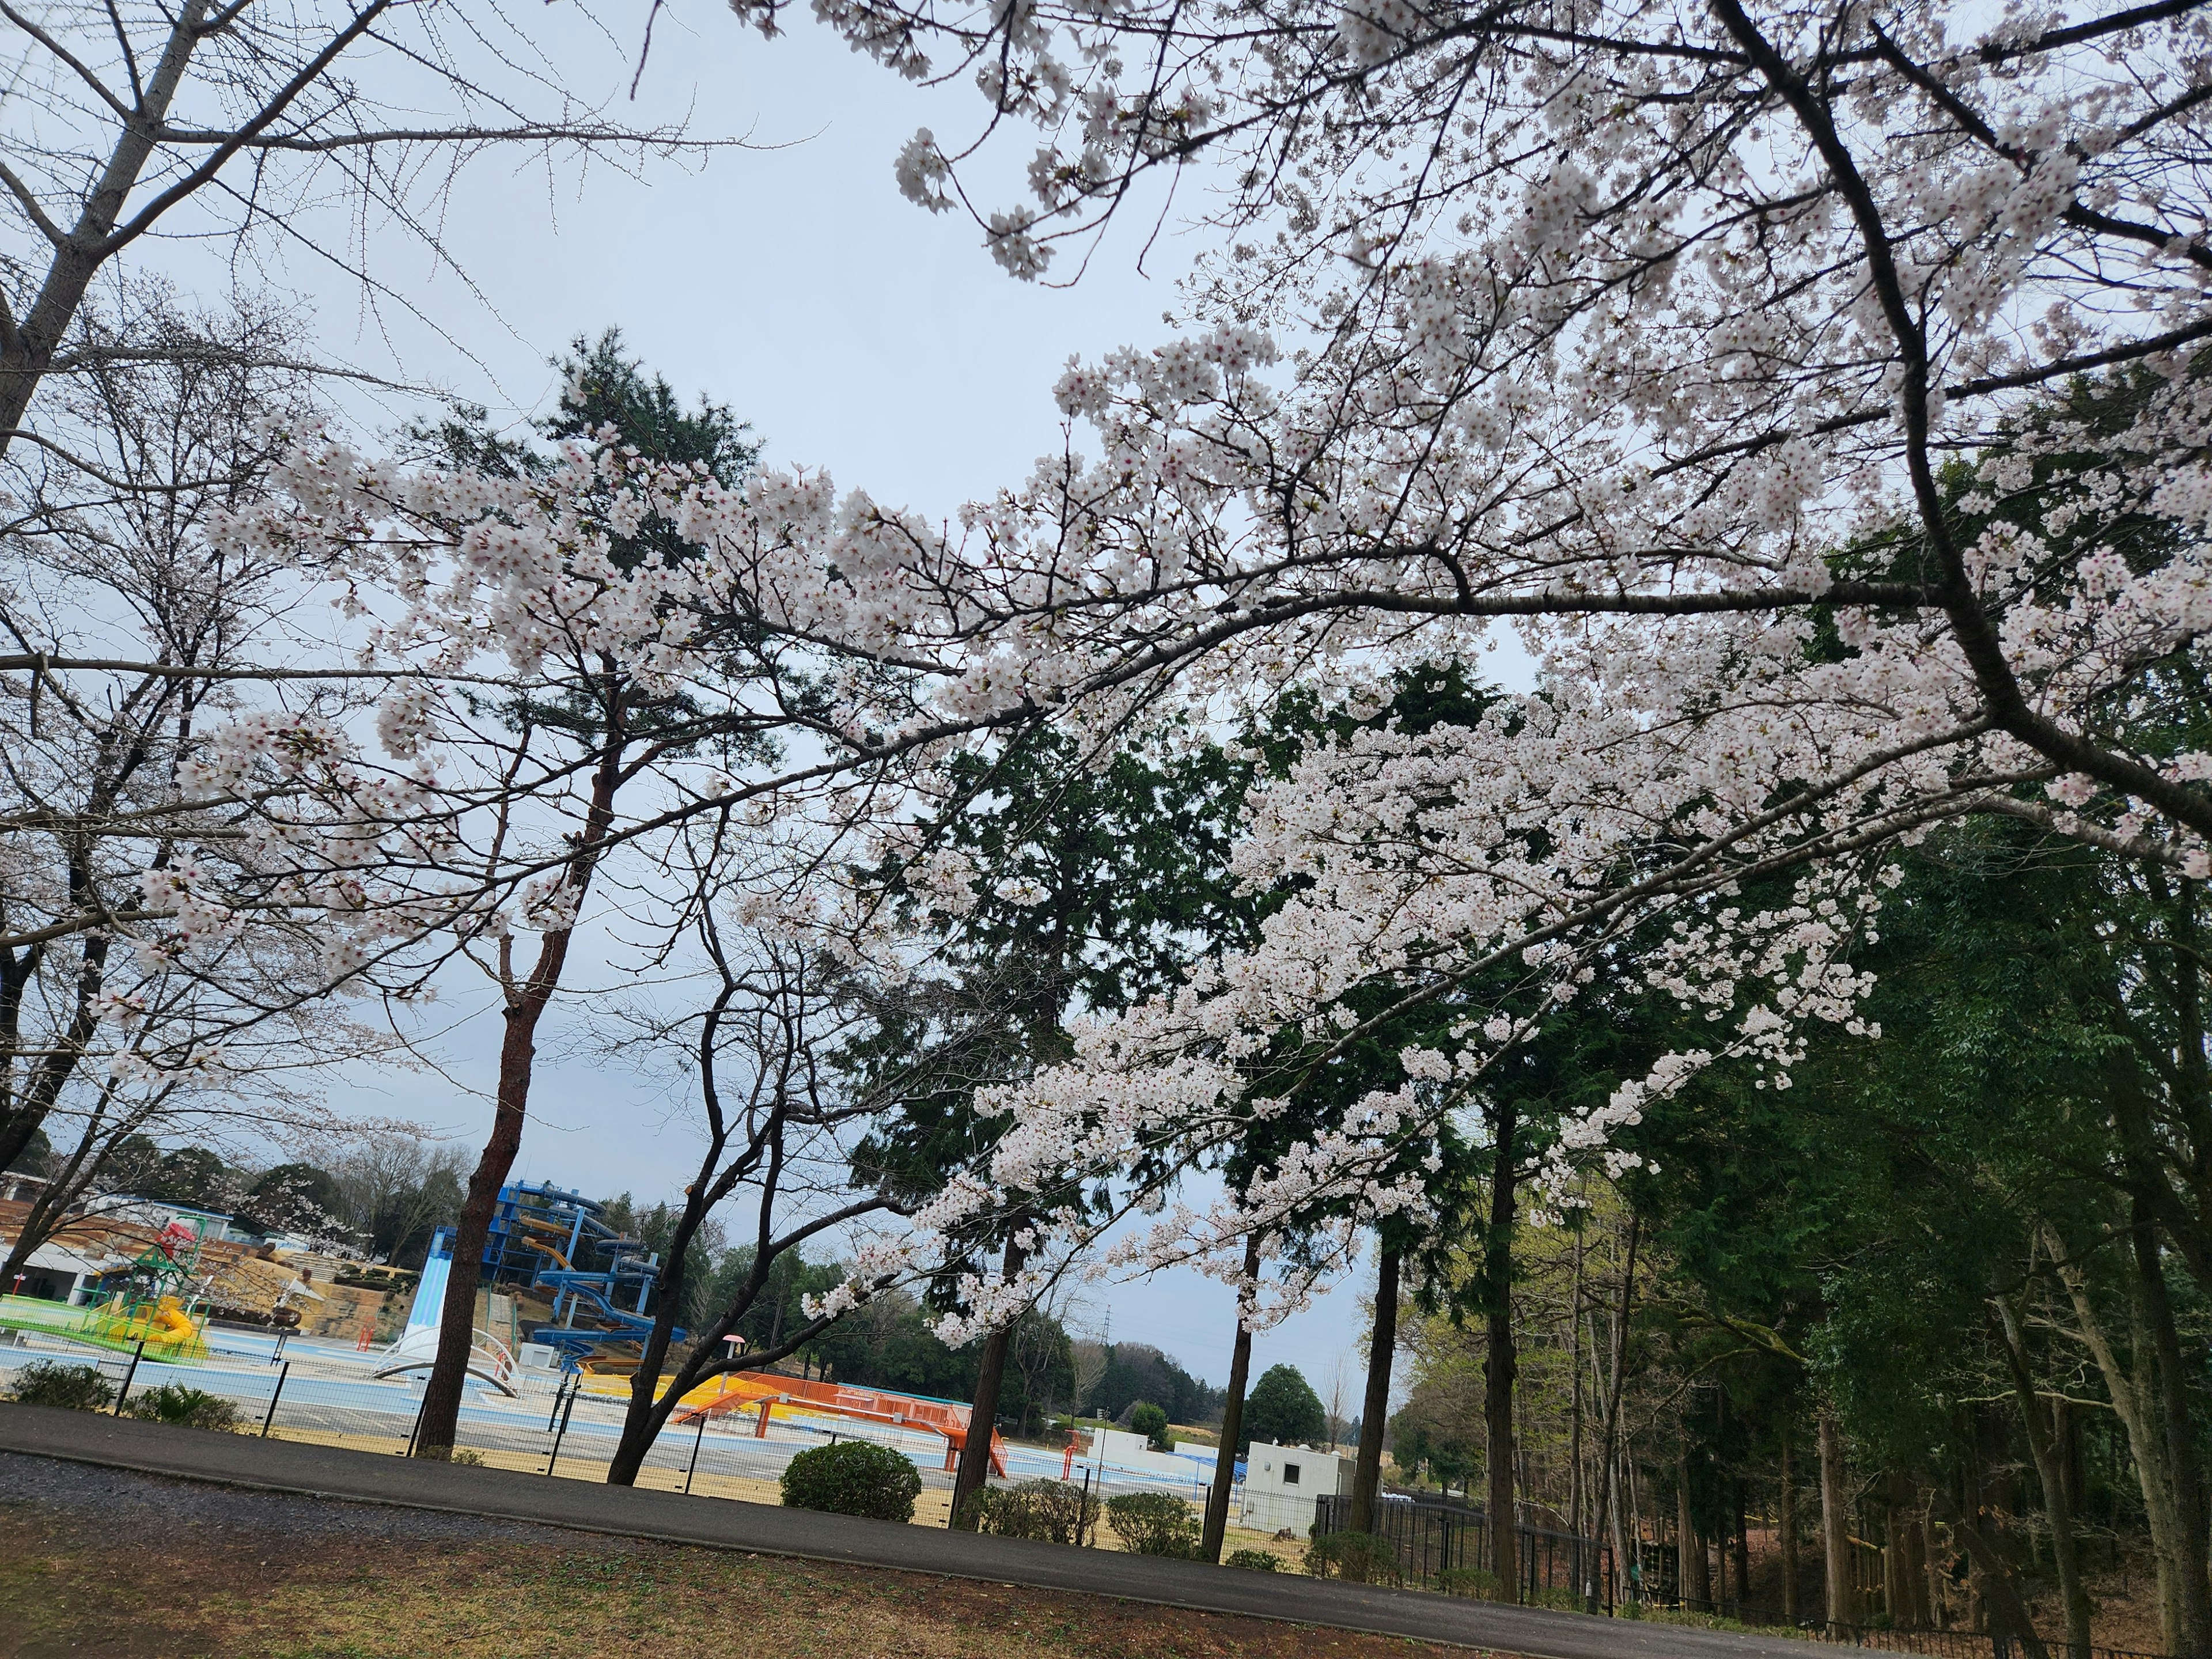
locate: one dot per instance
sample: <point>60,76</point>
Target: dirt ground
<point>113,1565</point>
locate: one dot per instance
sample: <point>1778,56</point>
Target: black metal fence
<point>1932,1644</point>
<point>549,1424</point>
<point>1434,1536</point>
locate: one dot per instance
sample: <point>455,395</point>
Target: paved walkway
<point>723,1523</point>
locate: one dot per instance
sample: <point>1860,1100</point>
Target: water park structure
<point>763,1394</point>
<point>549,1237</point>
<point>490,1360</point>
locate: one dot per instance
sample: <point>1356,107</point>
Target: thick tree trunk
<point>1914,1614</point>
<point>2000,1590</point>
<point>974,1468</point>
<point>2132,1390</point>
<point>2049,1453</point>
<point>1788,1522</point>
<point>2193,1589</point>
<point>1374,1411</point>
<point>518,1053</point>
<point>1499,1363</point>
<point>441,1395</point>
<point>1608,1499</point>
<point>1232,1417</point>
<point>1742,1549</point>
<point>1835,1526</point>
<point>1692,1572</point>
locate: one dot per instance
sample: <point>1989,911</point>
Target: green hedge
<point>852,1478</point>
<point>182,1407</point>
<point>1357,1557</point>
<point>71,1387</point>
<point>1047,1511</point>
<point>1253,1561</point>
<point>1477,1581</point>
<point>1153,1523</point>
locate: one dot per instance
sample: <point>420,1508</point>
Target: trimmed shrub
<point>1047,1511</point>
<point>1253,1561</point>
<point>461,1455</point>
<point>1476,1582</point>
<point>852,1478</point>
<point>70,1388</point>
<point>1152,1422</point>
<point>1358,1557</point>
<point>182,1408</point>
<point>1153,1523</point>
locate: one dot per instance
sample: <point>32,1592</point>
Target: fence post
<point>696,1440</point>
<point>129,1377</point>
<point>563,1435</point>
<point>275,1395</point>
<point>560,1392</point>
<point>415,1428</point>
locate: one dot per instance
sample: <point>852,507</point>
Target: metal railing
<point>1434,1536</point>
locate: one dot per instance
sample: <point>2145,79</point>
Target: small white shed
<point>1282,1482</point>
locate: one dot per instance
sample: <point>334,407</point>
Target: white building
<point>52,1273</point>
<point>1282,1482</point>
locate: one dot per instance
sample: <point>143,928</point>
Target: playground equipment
<point>548,1236</point>
<point>765,1392</point>
<point>489,1358</point>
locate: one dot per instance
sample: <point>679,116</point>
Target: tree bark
<point>2049,1454</point>
<point>2132,1391</point>
<point>2193,1597</point>
<point>1374,1411</point>
<point>1835,1526</point>
<point>1232,1417</point>
<point>974,1468</point>
<point>1692,1572</point>
<point>2000,1590</point>
<point>1500,1363</point>
<point>27,350</point>
<point>518,1053</point>
<point>1742,1547</point>
<point>1608,1500</point>
<point>441,1396</point>
<point>1788,1503</point>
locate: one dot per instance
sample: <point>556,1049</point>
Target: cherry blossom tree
<point>1815,395</point>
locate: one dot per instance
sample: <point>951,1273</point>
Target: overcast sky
<point>854,332</point>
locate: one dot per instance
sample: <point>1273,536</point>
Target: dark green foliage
<point>1152,1422</point>
<point>1283,1410</point>
<point>1253,1561</point>
<point>182,1407</point>
<point>65,1387</point>
<point>1137,1372</point>
<point>191,1177</point>
<point>1358,1557</point>
<point>1428,1437</point>
<point>1477,1581</point>
<point>890,1345</point>
<point>1154,1523</point>
<point>852,1478</point>
<point>293,1198</point>
<point>1045,1511</point>
<point>35,1158</point>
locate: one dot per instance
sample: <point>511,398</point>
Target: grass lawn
<point>70,1585</point>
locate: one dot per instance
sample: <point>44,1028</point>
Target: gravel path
<point>133,1501</point>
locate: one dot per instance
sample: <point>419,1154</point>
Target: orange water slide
<point>749,1391</point>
